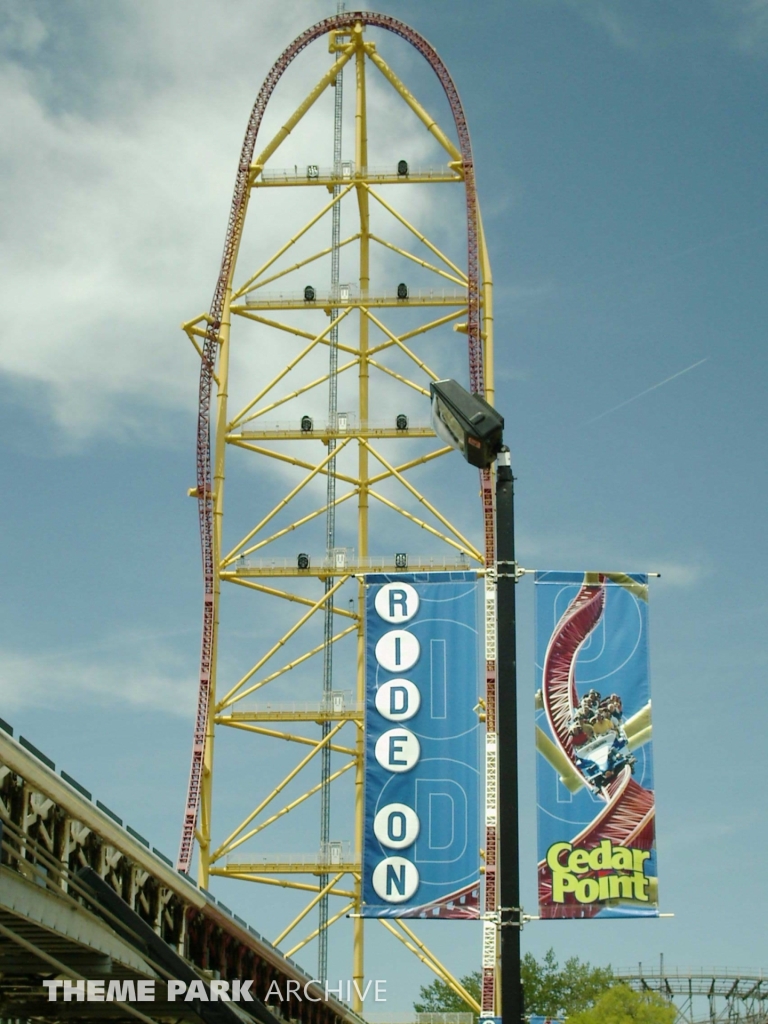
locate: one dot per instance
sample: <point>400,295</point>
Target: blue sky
<point>621,153</point>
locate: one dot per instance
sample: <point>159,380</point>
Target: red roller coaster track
<point>234,228</point>
<point>627,819</point>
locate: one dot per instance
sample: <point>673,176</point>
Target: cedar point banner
<point>421,854</point>
<point>596,808</point>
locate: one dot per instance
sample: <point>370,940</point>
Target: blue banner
<point>596,804</point>
<point>421,855</point>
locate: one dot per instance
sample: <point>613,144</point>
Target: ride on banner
<point>421,854</point>
<point>594,765</point>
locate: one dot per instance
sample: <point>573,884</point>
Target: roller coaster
<point>84,896</point>
<point>251,343</point>
<point>413,304</point>
<point>701,996</point>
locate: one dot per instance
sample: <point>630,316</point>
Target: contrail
<point>647,390</point>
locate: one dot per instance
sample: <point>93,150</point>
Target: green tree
<point>555,991</point>
<point>550,990</point>
<point>621,1005</point>
<point>440,998</point>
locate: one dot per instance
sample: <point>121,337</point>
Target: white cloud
<point>613,17</point>
<point>136,671</point>
<point>735,24</point>
<point>679,574</point>
<point>603,554</point>
<point>749,21</point>
<point>21,30</point>
<point>616,19</point>
<point>115,193</point>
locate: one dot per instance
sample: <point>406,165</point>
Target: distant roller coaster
<point>700,995</point>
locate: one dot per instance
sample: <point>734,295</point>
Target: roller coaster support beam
<point>508,853</point>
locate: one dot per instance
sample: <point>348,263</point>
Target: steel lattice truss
<point>706,997</point>
<point>359,324</point>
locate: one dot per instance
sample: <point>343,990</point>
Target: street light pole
<point>508,843</point>
<point>475,428</point>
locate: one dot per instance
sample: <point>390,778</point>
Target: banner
<point>594,768</point>
<point>421,854</point>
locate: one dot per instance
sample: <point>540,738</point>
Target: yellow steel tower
<point>408,314</point>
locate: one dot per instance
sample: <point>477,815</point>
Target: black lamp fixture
<point>303,561</point>
<point>402,290</point>
<point>402,421</point>
<point>306,424</point>
<point>309,293</point>
<point>466,422</point>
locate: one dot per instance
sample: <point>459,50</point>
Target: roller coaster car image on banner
<point>421,855</point>
<point>594,767</point>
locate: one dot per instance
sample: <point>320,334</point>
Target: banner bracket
<point>512,917</point>
<point>516,573</point>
